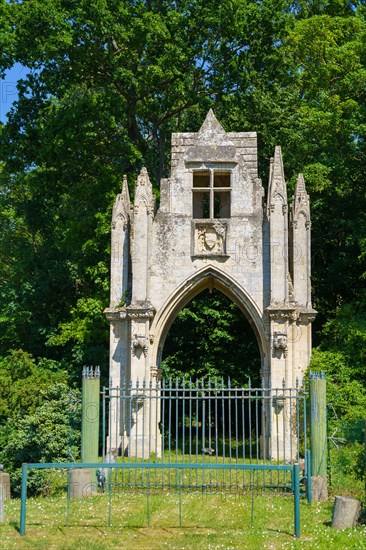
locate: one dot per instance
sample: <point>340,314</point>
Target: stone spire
<point>142,227</point>
<point>120,246</point>
<point>144,195</point>
<point>121,208</point>
<point>277,184</point>
<point>278,231</point>
<point>125,193</point>
<point>300,202</point>
<point>300,244</point>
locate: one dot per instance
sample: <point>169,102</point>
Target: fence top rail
<point>156,466</point>
<point>191,386</point>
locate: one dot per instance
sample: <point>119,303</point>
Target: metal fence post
<point>318,435</point>
<point>2,498</point>
<point>23,502</point>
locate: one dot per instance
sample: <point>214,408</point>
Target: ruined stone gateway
<point>213,229</point>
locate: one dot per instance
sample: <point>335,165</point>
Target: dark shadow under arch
<point>210,337</point>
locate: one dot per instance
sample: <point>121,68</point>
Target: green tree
<point>108,82</point>
<point>40,415</point>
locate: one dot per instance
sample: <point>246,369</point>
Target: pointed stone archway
<point>207,278</point>
<point>213,227</point>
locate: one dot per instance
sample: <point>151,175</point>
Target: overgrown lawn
<point>208,521</point>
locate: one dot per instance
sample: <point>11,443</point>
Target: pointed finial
<point>300,185</point>
<point>124,184</point>
<point>277,185</point>
<point>125,195</point>
<point>278,174</point>
<point>143,177</point>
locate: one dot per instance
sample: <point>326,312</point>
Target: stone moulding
<point>291,314</point>
<point>126,312</point>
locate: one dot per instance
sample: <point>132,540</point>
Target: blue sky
<point>8,89</point>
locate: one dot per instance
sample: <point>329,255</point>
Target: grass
<point>208,522</point>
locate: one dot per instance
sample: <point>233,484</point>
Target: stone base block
<point>5,482</point>
<point>346,512</point>
<point>319,488</point>
<point>82,483</point>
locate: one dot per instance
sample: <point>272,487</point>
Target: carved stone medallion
<point>209,238</point>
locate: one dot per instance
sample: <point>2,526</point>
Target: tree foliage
<point>211,338</point>
<point>107,83</point>
<point>40,415</point>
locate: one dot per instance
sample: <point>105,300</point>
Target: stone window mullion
<point>211,194</point>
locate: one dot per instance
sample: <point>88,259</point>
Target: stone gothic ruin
<point>214,228</point>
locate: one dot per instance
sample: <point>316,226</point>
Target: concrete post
<point>318,436</point>
<point>90,415</point>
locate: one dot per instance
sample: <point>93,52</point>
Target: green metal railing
<point>180,469</point>
<point>206,421</point>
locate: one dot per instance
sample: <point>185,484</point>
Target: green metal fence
<point>205,422</point>
<point>181,471</point>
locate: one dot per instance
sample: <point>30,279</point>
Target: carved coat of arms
<point>210,238</point>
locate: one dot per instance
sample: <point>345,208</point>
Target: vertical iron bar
<point>284,421</point>
<point>163,399</point>
<point>103,425</point>
<point>203,404</point>
<point>209,417</point>
<point>296,483</point>
<point>150,409</point>
<point>143,426</point>
<point>263,429</point>
<point>68,497</point>
<point>110,435</point>
<point>252,499</point>
<point>308,477</point>
<point>305,424</point>
<point>250,421</point>
<point>216,431</point>
<point>183,417</point>
<point>223,421</point>
<point>203,401</point>
<point>148,497</point>
<point>110,499</point>
<point>197,432</point>
<point>290,427</point>
<point>243,426</point>
<point>176,418</point>
<point>236,426</point>
<point>190,420</point>
<point>190,428</point>
<point>256,426</point>
<point>180,497</point>
<point>170,425</point>
<point>117,420</point>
